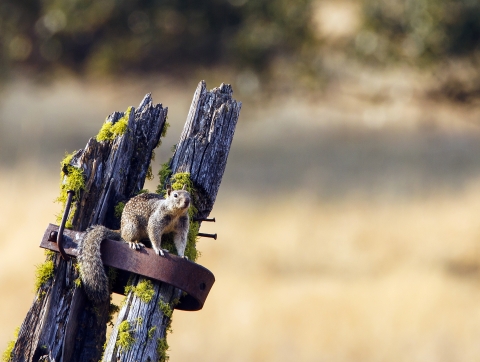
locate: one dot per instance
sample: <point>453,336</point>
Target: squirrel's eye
<point>175,195</point>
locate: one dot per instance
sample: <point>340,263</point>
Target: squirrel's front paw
<point>135,246</point>
<point>161,252</point>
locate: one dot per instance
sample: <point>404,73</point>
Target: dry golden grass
<point>26,208</point>
<point>349,280</point>
<point>374,257</point>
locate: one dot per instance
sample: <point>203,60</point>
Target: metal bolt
<point>203,219</point>
<point>213,236</point>
<point>53,236</point>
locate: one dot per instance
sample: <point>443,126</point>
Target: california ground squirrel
<point>144,216</point>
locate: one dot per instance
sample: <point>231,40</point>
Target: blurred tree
<point>419,30</point>
<point>116,36</point>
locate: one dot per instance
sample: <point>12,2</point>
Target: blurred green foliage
<point>419,30</point>
<point>115,36</point>
<point>143,36</point>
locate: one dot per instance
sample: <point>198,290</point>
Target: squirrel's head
<point>179,199</point>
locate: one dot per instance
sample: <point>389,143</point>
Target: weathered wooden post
<point>199,160</point>
<point>62,325</point>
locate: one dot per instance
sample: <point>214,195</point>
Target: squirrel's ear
<point>184,187</point>
<point>169,189</point>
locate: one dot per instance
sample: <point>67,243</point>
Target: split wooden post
<point>202,151</point>
<point>62,325</point>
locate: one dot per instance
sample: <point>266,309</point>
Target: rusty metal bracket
<point>195,280</point>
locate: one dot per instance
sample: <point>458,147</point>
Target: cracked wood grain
<point>203,151</point>
<point>62,325</point>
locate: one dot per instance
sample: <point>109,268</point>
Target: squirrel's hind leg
<point>180,241</point>
<point>131,233</point>
<point>180,238</point>
<point>155,231</point>
<point>180,245</point>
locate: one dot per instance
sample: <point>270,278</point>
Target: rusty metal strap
<point>188,276</point>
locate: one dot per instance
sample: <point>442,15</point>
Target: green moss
<point>44,273</point>
<point>8,353</point>
<point>112,310</point>
<point>144,290</point>
<point>118,209</point>
<point>50,254</point>
<point>165,308</point>
<point>162,348</point>
<point>120,127</point>
<point>125,339</point>
<point>168,327</point>
<point>191,251</point>
<point>165,128</point>
<point>180,179</point>
<point>105,346</point>
<point>168,244</point>
<point>111,130</point>
<point>163,175</point>
<point>71,178</point>
<point>78,280</point>
<point>149,175</point>
<point>105,132</point>
<point>175,302</point>
<point>151,332</point>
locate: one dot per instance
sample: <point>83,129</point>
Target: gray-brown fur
<point>144,216</point>
<point>150,216</point>
<point>92,271</point>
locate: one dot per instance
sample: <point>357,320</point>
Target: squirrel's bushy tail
<point>92,271</point>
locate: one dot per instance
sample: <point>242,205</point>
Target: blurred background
<point>347,216</point>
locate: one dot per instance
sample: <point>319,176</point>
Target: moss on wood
<point>143,290</point>
<point>125,339</point>
<point>111,130</point>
